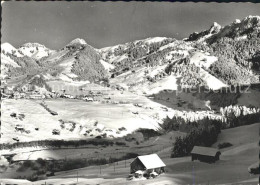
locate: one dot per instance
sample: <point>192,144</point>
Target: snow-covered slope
<point>76,62</point>
<point>152,40</point>
<point>6,62</point>
<point>35,50</point>
<point>146,73</point>
<point>118,53</point>
<point>8,48</point>
<point>107,65</point>
<point>146,65</point>
<point>202,59</point>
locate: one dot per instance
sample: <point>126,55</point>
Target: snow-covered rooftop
<point>151,161</point>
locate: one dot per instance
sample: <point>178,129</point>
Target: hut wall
<point>159,170</point>
<point>204,158</point>
<point>136,165</point>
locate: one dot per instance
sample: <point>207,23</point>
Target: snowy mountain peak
<point>253,17</point>
<point>215,24</point>
<point>8,48</point>
<point>202,36</point>
<point>78,41</point>
<point>237,21</point>
<point>251,21</point>
<point>215,28</point>
<point>29,45</point>
<point>154,39</point>
<point>238,29</point>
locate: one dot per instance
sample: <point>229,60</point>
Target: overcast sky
<point>102,24</point>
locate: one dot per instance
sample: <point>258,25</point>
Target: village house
<point>205,154</point>
<point>23,95</point>
<point>88,99</point>
<point>27,88</point>
<point>17,95</point>
<point>147,165</point>
<point>6,92</point>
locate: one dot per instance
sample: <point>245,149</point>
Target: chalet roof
<point>204,151</point>
<point>151,161</point>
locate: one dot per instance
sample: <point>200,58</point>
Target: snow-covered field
<point>90,119</point>
<point>211,81</point>
<point>84,114</point>
<point>231,169</point>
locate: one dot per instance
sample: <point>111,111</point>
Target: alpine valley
<point>139,96</point>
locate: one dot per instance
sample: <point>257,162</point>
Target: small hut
<point>205,154</point>
<point>147,164</point>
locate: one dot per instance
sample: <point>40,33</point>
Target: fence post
<point>117,158</point>
<point>193,175</point>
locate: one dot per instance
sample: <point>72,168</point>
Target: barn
<point>205,154</point>
<point>147,164</point>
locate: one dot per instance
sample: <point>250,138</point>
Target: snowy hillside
<point>76,63</point>
<point>5,62</point>
<point>35,50</point>
<point>143,66</point>
<point>107,65</point>
<point>8,48</point>
<point>217,57</point>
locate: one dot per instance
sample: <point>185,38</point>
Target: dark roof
<point>204,151</point>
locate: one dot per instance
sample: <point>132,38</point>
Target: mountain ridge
<point>151,62</point>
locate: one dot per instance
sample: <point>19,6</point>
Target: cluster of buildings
<point>152,165</point>
<point>27,92</point>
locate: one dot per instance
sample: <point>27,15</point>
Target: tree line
<point>203,132</point>
<point>57,143</point>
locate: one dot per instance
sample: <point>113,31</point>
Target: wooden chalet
<point>205,154</point>
<point>147,164</point>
